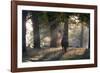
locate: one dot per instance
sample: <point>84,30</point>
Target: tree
<point>65,33</point>
<point>24,14</point>
<point>85,20</point>
<point>36,29</point>
<point>52,19</point>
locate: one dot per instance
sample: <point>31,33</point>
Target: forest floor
<point>53,54</point>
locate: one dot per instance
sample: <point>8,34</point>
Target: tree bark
<point>36,30</point>
<point>89,34</point>
<point>53,42</point>
<point>66,28</point>
<point>81,36</point>
<point>53,25</point>
<point>24,14</point>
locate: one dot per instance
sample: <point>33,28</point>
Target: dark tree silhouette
<point>53,24</point>
<point>64,41</point>
<point>81,36</point>
<point>36,29</point>
<point>85,18</point>
<point>24,14</point>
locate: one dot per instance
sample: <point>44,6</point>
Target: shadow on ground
<point>53,54</point>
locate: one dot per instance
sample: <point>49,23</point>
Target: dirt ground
<point>53,54</point>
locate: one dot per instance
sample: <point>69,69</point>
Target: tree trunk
<point>53,25</point>
<point>24,14</point>
<point>89,35</point>
<point>81,36</point>
<point>36,30</point>
<point>66,29</point>
<point>53,42</point>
